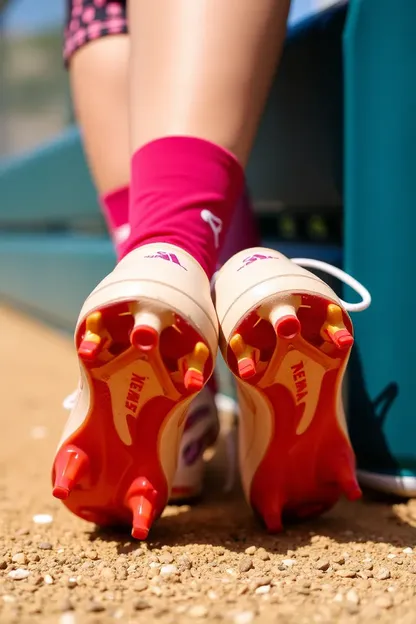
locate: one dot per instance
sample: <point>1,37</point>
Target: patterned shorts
<point>87,20</point>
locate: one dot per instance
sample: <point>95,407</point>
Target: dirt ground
<point>212,563</point>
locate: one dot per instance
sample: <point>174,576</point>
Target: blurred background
<point>34,99</point>
<point>34,96</point>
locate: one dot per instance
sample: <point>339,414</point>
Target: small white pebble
<point>245,617</point>
<point>289,562</point>
<point>198,611</point>
<point>212,595</point>
<point>19,558</point>
<point>19,574</point>
<point>42,519</point>
<point>154,564</point>
<point>338,597</point>
<point>383,574</point>
<point>263,589</point>
<point>48,579</point>
<point>67,618</point>
<point>391,556</point>
<point>408,551</point>
<point>168,570</point>
<point>353,597</point>
<point>72,582</point>
<point>38,433</point>
<point>119,614</point>
<point>156,590</point>
<point>250,550</point>
<point>8,599</point>
<point>60,550</point>
<point>231,572</point>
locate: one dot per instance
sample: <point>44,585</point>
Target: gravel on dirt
<point>208,563</point>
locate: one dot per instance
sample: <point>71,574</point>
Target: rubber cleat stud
<point>285,322</point>
<point>144,338</point>
<point>146,331</point>
<point>288,327</point>
<point>92,341</point>
<point>342,339</point>
<point>346,479</point>
<point>194,365</point>
<point>193,380</point>
<point>244,354</point>
<point>334,330</point>
<point>351,489</point>
<point>141,500</point>
<point>246,368</point>
<point>271,513</point>
<point>71,464</point>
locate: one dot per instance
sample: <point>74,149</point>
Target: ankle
<point>115,209</point>
<point>183,192</point>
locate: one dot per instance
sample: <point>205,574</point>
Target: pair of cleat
<point>147,344</point>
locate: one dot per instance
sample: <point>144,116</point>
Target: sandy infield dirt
<point>211,563</point>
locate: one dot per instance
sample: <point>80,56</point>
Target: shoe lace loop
<point>310,263</point>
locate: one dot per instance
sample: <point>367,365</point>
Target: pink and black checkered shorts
<point>88,20</point>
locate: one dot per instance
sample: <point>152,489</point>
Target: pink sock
<point>183,192</point>
<point>115,208</point>
<point>243,232</point>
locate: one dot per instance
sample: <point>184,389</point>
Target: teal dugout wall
<point>380,226</point>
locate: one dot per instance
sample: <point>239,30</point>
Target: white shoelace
<point>339,274</point>
<point>227,404</point>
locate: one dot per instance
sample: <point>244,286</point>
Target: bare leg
<point>99,79</point>
<point>203,68</point>
<point>98,74</point>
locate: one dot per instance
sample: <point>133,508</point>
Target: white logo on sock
<point>121,233</point>
<point>215,224</point>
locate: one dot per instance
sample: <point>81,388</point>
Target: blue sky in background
<point>34,15</point>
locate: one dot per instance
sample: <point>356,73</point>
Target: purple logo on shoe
<point>193,451</point>
<point>169,257</point>
<point>254,258</point>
